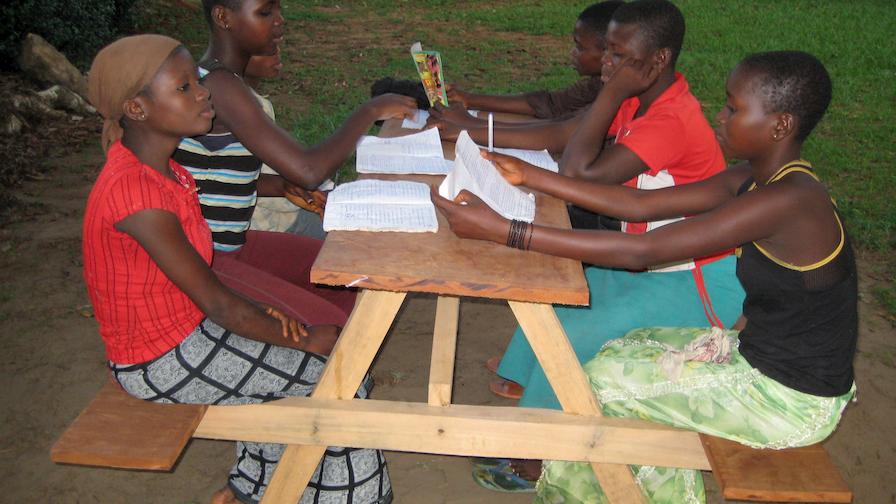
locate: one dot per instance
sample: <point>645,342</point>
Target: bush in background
<point>77,28</point>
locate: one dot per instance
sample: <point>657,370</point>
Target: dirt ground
<point>53,364</point>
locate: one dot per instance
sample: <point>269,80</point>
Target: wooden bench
<point>117,430</point>
<point>804,474</point>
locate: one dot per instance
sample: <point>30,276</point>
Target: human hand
<point>469,217</point>
<point>313,201</point>
<point>513,169</point>
<point>456,95</point>
<point>456,113</point>
<point>447,130</point>
<point>632,77</point>
<point>291,329</point>
<point>393,106</point>
<point>321,339</point>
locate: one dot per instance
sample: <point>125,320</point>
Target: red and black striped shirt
<point>141,312</point>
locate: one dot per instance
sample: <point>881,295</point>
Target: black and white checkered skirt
<point>214,366</point>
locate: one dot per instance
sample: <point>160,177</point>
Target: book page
<point>380,205</point>
<point>541,159</point>
<point>477,175</point>
<point>416,122</point>
<point>381,191</point>
<point>416,153</point>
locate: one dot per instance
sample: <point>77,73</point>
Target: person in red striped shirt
<point>173,332</point>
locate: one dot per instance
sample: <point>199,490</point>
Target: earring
<point>226,26</point>
<point>143,116</point>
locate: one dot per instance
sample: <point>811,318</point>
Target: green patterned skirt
<point>731,400</point>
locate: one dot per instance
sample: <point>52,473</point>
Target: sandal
<point>506,388</point>
<point>501,478</point>
<point>493,363</point>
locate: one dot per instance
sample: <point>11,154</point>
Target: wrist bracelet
<point>531,232</point>
<point>516,236</point>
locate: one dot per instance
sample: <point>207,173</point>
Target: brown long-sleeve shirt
<point>564,103</point>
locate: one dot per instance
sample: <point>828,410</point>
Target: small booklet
<point>381,205</point>
<point>418,153</point>
<point>479,176</point>
<point>429,67</point>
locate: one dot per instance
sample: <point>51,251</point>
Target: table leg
<point>563,371</point>
<point>444,348</point>
<point>351,358</point>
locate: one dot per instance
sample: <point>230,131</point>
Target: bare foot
<point>224,496</point>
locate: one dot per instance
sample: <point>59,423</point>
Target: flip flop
<point>506,388</point>
<point>501,478</point>
<point>493,363</point>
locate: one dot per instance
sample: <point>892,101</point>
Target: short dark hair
<point>794,82</point>
<point>660,22</point>
<point>208,5</point>
<point>597,16</point>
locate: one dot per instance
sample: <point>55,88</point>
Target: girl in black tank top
<point>784,380</point>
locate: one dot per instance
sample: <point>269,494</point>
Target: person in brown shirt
<point>589,39</point>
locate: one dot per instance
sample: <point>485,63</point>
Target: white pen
<point>491,132</point>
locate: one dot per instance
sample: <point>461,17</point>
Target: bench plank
<point>804,474</point>
<point>118,430</point>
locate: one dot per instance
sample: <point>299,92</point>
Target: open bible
<point>381,205</point>
<point>479,176</point>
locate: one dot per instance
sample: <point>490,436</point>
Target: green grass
<point>500,47</point>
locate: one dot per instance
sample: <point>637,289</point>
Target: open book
<point>381,205</point>
<point>417,153</point>
<point>539,158</point>
<point>429,67</point>
<point>479,176</point>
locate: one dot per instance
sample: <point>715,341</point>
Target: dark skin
<point>746,130</point>
<point>631,68</point>
<point>176,105</point>
<point>264,66</point>
<point>586,57</point>
<point>256,28</point>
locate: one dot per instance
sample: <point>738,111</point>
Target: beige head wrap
<point>119,71</point>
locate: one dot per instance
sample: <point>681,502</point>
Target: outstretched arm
<point>161,235</point>
<point>302,166</point>
<point>623,202</point>
<point>550,135</point>
<point>735,222</point>
<point>514,104</point>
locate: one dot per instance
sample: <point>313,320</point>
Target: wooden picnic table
<point>387,266</point>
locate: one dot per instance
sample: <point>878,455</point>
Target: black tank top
<point>802,321</point>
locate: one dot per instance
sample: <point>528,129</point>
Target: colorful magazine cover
<point>429,67</point>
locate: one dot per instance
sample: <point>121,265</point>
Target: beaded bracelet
<point>516,236</point>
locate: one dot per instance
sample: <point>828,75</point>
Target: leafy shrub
<point>77,28</point>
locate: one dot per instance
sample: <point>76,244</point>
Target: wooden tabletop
<point>442,263</point>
